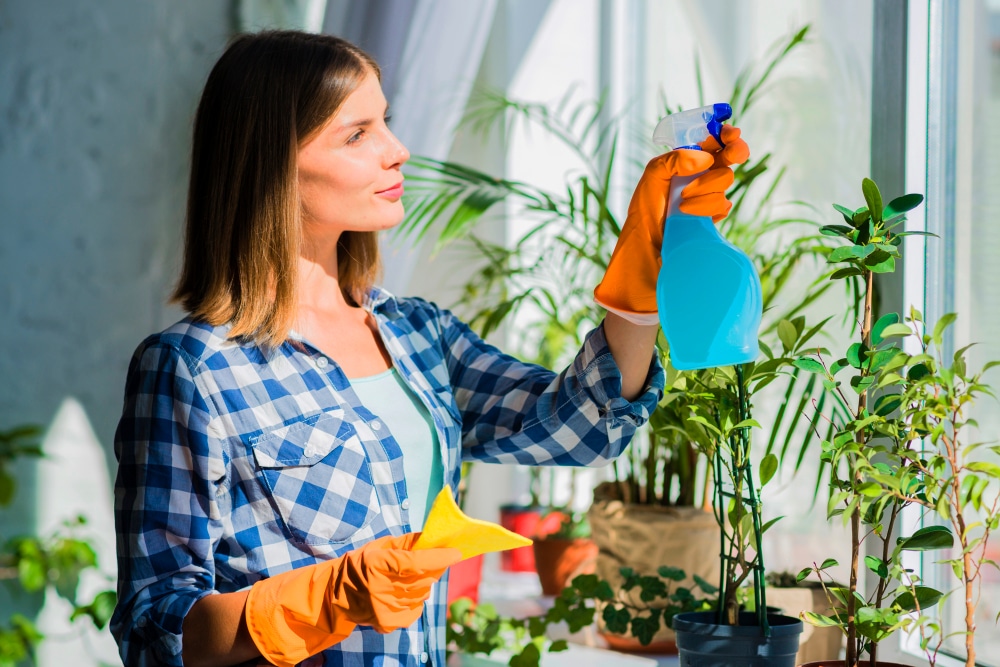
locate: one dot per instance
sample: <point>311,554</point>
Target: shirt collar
<point>382,300</point>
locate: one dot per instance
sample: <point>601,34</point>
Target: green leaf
<point>896,330</point>
<point>880,326</point>
<point>854,355</point>
<point>917,373</point>
<point>878,566</point>
<point>809,365</point>
<point>835,230</point>
<point>787,334</point>
<point>558,645</point>
<point>886,404</point>
<point>845,272</point>
<point>873,198</point>
<point>880,264</point>
<point>843,253</point>
<point>846,212</point>
<point>861,216</point>
<point>99,610</point>
<point>819,620</point>
<point>985,467</point>
<point>706,587</point>
<point>926,596</point>
<point>942,324</point>
<point>529,657</point>
<point>902,205</point>
<point>829,562</point>
<point>768,466</point>
<point>928,538</point>
<point>671,573</point>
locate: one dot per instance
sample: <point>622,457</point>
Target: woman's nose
<point>396,153</point>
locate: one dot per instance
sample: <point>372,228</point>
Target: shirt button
<point>376,425</point>
<point>424,657</point>
<point>322,362</point>
<point>405,504</point>
<point>141,621</point>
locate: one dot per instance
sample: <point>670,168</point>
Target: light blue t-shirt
<point>387,396</point>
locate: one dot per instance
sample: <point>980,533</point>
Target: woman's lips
<point>395,192</point>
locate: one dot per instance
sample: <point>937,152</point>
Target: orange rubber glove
<point>629,284</point>
<point>383,584</point>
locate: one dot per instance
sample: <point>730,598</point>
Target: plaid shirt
<point>236,464</point>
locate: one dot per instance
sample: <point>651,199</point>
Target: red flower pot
<point>526,521</point>
<point>464,578</point>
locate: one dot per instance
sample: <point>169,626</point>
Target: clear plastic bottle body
<point>708,292</point>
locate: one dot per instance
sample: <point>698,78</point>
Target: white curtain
<point>430,52</point>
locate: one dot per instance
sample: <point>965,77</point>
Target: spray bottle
<point>708,292</point>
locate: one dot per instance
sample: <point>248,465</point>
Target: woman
<point>280,445</point>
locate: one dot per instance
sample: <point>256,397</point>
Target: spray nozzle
<point>687,129</point>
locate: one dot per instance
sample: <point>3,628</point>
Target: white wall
<point>96,101</point>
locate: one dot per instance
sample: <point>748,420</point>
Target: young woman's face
<point>349,173</point>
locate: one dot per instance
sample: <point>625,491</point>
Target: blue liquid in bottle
<point>708,293</point>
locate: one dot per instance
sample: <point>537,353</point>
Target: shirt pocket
<point>318,476</point>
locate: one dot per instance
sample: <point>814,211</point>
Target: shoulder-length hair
<point>267,95</point>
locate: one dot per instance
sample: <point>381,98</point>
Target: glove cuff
<point>288,626</point>
<point>641,319</point>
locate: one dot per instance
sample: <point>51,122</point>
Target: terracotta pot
<point>558,561</point>
<point>463,579</point>
<point>840,663</point>
<point>631,645</point>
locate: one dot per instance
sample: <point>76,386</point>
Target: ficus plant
<point>948,475</point>
<point>869,452</point>
<point>35,563</point>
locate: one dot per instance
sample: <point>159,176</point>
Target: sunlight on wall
<point>72,480</point>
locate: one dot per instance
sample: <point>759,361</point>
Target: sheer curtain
<point>430,52</point>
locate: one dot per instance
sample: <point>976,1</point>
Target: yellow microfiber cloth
<point>447,526</point>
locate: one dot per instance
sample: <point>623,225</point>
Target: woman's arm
<point>632,347</point>
<point>215,632</point>
<point>517,412</point>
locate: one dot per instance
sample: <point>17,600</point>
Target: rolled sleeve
<point>600,378</point>
<point>515,412</point>
<point>164,499</point>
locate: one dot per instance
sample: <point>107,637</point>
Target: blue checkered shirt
<point>237,464</point>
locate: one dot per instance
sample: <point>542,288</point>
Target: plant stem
<point>967,564</point>
<point>853,648</point>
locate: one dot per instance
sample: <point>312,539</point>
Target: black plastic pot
<point>702,642</point>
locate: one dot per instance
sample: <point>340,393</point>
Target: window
<point>952,143</point>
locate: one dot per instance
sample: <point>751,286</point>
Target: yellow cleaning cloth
<point>447,526</point>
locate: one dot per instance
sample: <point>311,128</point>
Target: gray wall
<point>96,102</point>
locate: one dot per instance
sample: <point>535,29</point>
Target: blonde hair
<point>267,95</point>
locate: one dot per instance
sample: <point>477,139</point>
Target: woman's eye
<point>356,137</point>
<point>388,119</point>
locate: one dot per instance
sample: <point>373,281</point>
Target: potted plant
<point>35,564</point>
<point>874,454</point>
<point>562,555</point>
<point>731,634</point>
<point>951,481</point>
